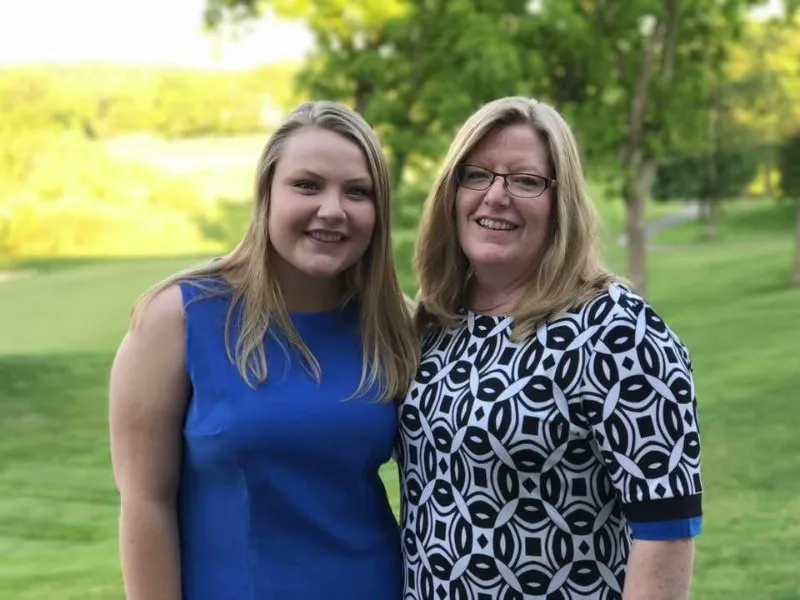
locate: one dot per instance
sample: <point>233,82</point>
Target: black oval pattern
<point>518,459</point>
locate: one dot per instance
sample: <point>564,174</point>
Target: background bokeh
<point>129,137</point>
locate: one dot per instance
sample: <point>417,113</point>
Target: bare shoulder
<point>148,391</point>
<point>161,312</point>
<point>149,366</point>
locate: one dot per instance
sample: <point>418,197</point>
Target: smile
<point>328,237</point>
<point>496,224</point>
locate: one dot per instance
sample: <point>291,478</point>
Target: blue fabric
<point>675,529</point>
<point>280,494</point>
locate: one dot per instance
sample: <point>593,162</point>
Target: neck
<point>302,293</point>
<point>494,295</point>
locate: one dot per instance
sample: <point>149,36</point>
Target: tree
<point>634,78</point>
<point>763,84</point>
<point>414,68</point>
<point>630,74</point>
<point>789,166</point>
<point>720,173</point>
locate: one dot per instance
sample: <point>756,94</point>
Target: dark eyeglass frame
<point>549,182</point>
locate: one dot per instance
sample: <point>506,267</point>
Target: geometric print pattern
<point>523,463</point>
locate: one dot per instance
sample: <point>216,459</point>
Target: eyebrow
<point>306,172</point>
<point>531,171</point>
<point>527,168</point>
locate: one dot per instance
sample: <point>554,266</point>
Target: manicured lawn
<point>739,222</point>
<point>729,302</point>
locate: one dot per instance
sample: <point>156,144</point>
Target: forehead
<point>323,151</point>
<point>512,146</point>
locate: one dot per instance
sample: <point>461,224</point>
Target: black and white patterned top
<point>526,468</point>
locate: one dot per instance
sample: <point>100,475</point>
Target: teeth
<point>326,236</point>
<point>495,224</point>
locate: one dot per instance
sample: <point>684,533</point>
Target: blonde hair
<point>570,271</point>
<point>389,343</point>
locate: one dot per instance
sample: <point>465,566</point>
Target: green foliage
<point>414,68</point>
<point>108,100</point>
<point>763,80</point>
<point>64,195</point>
<point>407,203</point>
<point>789,166</point>
<point>417,68</point>
<point>689,176</point>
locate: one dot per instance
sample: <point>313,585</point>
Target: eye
<point>306,185</point>
<point>527,182</point>
<point>360,192</point>
<point>476,175</point>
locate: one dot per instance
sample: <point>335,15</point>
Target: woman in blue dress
<point>252,399</point>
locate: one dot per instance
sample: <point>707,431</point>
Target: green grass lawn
<point>223,166</point>
<point>742,221</point>
<point>729,302</point>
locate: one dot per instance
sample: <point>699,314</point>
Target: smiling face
<point>321,211</point>
<point>504,236</point>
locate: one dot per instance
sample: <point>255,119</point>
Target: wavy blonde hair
<point>569,273</point>
<point>389,343</point>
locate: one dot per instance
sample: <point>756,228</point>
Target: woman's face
<point>322,210</point>
<point>504,235</point>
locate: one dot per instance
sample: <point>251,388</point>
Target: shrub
<point>63,195</point>
<point>686,177</point>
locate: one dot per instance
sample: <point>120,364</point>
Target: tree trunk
<point>712,181</point>
<point>362,95</point>
<point>769,189</point>
<point>397,167</point>
<point>703,210</point>
<point>712,225</point>
<point>635,193</point>
<point>639,168</point>
<point>796,278</point>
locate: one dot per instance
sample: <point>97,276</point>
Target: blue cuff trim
<point>675,529</point>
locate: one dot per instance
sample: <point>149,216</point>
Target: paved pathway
<point>690,211</point>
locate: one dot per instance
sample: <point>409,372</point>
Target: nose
<point>496,194</point>
<point>330,207</point>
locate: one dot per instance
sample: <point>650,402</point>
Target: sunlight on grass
<point>730,303</point>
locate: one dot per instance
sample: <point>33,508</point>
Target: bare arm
<point>659,570</point>
<point>148,391</point>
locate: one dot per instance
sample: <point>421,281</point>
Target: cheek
<point>466,204</point>
<point>362,218</point>
<point>279,212</point>
<point>462,210</point>
<point>538,215</point>
<point>287,214</point>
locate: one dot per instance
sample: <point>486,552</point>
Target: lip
<point>502,220</point>
<point>326,232</point>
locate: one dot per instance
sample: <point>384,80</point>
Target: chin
<point>493,259</point>
<point>322,272</point>
<point>324,269</point>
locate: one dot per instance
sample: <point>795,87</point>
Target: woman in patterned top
<point>549,445</point>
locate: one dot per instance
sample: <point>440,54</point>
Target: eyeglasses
<point>522,185</point>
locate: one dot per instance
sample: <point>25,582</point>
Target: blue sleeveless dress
<point>280,497</point>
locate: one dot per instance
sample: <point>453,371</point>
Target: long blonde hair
<point>570,271</point>
<point>389,343</point>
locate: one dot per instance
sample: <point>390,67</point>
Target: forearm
<point>150,551</point>
<point>659,570</point>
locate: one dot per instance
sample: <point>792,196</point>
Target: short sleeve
<point>638,397</point>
